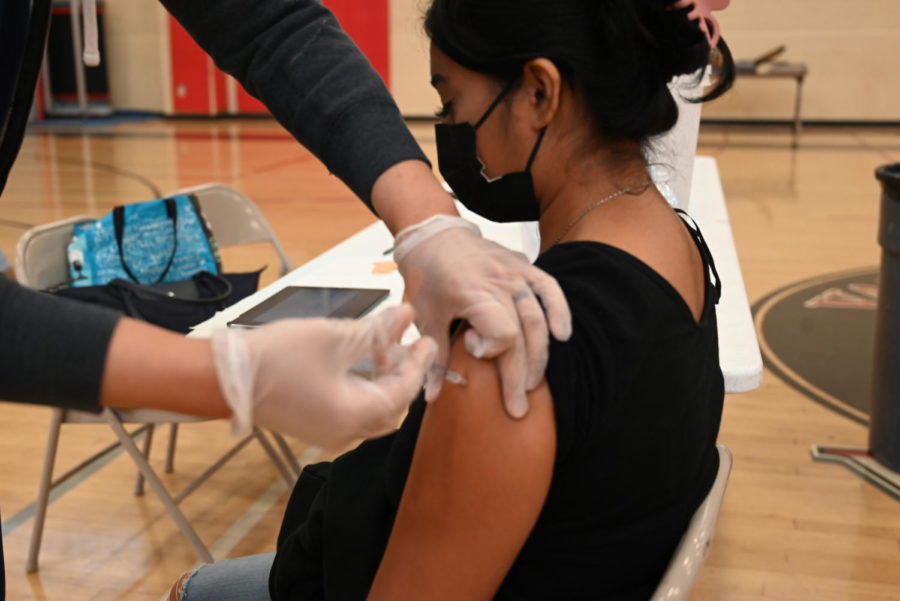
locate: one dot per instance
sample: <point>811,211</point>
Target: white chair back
<point>691,552</point>
<point>41,254</point>
<point>234,219</point>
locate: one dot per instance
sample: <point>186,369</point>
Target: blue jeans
<point>240,579</point>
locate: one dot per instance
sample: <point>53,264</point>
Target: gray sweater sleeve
<point>294,57</point>
<point>52,350</point>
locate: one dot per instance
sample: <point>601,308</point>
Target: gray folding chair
<point>691,552</point>
<point>41,264</point>
<point>235,220</point>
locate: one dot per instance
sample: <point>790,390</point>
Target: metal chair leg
<point>288,453</point>
<point>139,481</point>
<point>798,100</point>
<point>157,486</point>
<point>170,449</point>
<point>40,510</point>
<point>289,478</point>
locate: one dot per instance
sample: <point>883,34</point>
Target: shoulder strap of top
<point>705,253</point>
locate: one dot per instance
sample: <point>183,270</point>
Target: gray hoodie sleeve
<point>294,57</point>
<point>52,350</point>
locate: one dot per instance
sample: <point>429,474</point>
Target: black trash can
<point>884,428</point>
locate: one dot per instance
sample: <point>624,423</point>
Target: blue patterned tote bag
<point>153,242</point>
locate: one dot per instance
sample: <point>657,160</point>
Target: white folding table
<point>364,261</point>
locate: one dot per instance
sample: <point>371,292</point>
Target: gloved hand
<point>293,376</point>
<point>452,272</point>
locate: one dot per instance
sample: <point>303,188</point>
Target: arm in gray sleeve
<point>294,57</point>
<point>52,350</point>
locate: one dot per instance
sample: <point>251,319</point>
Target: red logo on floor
<point>856,296</point>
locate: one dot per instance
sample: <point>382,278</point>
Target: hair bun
<point>679,46</point>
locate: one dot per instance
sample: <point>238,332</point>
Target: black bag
<point>176,306</point>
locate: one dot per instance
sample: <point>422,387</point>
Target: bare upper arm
<point>477,483</point>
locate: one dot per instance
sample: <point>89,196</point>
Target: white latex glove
<point>452,272</point>
<point>293,376</point>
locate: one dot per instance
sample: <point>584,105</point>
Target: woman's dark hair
<point>620,54</point>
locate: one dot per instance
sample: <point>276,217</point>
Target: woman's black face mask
<point>507,198</point>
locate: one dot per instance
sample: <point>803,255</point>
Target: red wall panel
<point>190,90</point>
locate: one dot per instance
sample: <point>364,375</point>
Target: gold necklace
<point>596,204</point>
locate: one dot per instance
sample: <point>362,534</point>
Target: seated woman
<point>585,497</point>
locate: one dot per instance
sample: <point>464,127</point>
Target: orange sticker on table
<point>383,267</point>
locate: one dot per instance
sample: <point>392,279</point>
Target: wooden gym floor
<point>790,529</point>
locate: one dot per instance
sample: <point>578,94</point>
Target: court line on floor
<point>27,512</point>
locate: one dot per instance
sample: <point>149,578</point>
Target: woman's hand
<point>293,376</point>
<point>451,272</point>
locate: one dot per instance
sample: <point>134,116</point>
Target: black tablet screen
<point>302,301</point>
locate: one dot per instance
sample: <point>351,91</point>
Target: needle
<point>366,368</point>
<point>449,375</point>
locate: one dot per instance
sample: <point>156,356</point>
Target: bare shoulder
<point>477,483</point>
<point>479,403</point>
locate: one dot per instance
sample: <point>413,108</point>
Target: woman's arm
<point>477,483</point>
<point>64,353</point>
<point>408,193</point>
<point>148,367</point>
<point>292,376</point>
<point>52,350</point>
<point>294,56</point>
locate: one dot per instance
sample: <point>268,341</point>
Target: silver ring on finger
<point>527,293</point>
